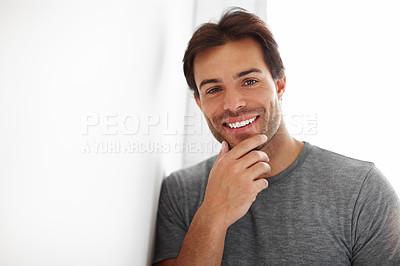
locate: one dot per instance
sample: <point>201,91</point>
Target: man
<point>267,198</point>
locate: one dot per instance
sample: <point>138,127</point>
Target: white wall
<point>342,60</point>
<point>76,78</point>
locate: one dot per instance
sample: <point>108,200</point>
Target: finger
<point>259,170</point>
<point>224,150</point>
<point>247,145</point>
<point>260,185</point>
<point>254,157</point>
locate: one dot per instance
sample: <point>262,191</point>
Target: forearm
<point>204,241</point>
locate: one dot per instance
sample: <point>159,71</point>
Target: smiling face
<point>237,93</point>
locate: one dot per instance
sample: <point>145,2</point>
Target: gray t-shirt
<point>324,209</point>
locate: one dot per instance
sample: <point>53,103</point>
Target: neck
<point>282,150</point>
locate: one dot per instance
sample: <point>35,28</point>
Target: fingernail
<point>224,145</point>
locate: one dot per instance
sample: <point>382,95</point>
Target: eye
<point>250,82</point>
<point>213,90</point>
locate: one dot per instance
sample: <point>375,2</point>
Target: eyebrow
<point>236,76</point>
<point>207,81</point>
<point>246,72</point>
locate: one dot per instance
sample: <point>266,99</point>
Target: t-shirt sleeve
<point>376,223</point>
<point>170,228</point>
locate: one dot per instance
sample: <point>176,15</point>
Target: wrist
<point>213,219</point>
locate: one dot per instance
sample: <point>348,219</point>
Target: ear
<point>197,98</point>
<point>280,85</point>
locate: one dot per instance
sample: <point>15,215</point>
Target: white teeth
<point>241,123</point>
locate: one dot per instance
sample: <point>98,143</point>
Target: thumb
<point>224,150</point>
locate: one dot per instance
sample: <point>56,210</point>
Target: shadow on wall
<point>159,174</point>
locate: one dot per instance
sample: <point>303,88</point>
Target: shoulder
<point>337,171</point>
<point>326,160</point>
<point>349,174</point>
<point>325,156</point>
<point>182,192</point>
<point>341,177</point>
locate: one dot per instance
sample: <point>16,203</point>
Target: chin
<point>236,140</point>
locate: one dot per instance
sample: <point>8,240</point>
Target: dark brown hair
<point>235,24</point>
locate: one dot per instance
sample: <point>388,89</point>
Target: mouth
<point>241,124</point>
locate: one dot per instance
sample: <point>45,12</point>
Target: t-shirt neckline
<point>273,180</point>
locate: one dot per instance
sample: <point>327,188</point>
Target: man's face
<point>238,95</point>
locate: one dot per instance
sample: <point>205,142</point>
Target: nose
<point>233,99</point>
